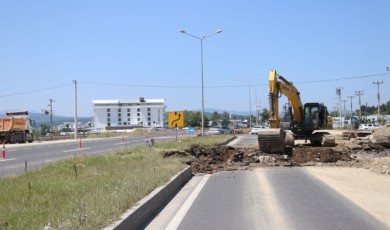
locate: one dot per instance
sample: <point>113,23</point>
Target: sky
<point>130,49</point>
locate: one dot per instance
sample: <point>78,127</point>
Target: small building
<point>128,113</point>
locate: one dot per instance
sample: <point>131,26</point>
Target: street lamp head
<point>219,31</point>
<point>182,31</point>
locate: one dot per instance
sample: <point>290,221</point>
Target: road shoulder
<point>367,190</point>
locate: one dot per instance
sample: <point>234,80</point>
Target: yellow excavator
<point>299,121</point>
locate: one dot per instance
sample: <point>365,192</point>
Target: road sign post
<point>176,120</point>
<point>3,151</point>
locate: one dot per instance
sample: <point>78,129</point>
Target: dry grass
<point>88,192</point>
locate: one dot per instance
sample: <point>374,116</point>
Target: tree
<point>225,122</point>
<point>194,119</point>
<point>264,115</point>
<point>44,129</point>
<point>215,118</point>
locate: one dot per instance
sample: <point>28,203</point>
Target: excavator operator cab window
<point>311,116</point>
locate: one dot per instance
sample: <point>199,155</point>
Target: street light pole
<point>201,66</point>
<point>250,102</point>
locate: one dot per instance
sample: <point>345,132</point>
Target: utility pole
<point>360,93</point>
<point>51,117</point>
<point>338,92</point>
<point>345,110</point>
<point>379,98</point>
<point>350,97</point>
<point>75,109</point>
<point>257,109</point>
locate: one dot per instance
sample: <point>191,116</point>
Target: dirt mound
<point>381,136</point>
<point>209,159</point>
<point>307,154</point>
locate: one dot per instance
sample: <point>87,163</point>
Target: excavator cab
<point>314,117</point>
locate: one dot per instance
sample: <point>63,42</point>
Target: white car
<point>367,126</point>
<point>213,131</point>
<point>256,129</point>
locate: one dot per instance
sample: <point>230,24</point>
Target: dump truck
<point>16,127</point>
<point>300,121</point>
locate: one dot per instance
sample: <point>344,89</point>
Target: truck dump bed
<point>11,124</point>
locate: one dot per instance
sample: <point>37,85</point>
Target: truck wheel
<point>12,139</point>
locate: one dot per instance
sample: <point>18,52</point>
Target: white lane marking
<point>174,224</point>
<point>11,150</point>
<point>10,159</point>
<point>276,216</point>
<point>74,150</point>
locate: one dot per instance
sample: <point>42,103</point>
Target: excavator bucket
<point>322,139</point>
<point>276,140</point>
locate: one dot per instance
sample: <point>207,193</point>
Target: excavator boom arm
<point>287,89</point>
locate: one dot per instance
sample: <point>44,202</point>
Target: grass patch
<point>89,192</point>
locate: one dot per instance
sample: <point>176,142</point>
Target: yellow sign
<point>175,119</point>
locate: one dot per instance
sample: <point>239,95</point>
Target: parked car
<point>367,126</point>
<point>219,130</point>
<point>256,129</point>
<point>225,130</point>
<point>212,131</point>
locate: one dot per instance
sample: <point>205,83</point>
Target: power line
<point>230,86</point>
<point>344,78</point>
<point>34,91</point>
<point>186,86</point>
<point>166,86</point>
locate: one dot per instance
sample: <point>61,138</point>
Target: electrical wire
<point>232,86</point>
<point>187,86</point>
<point>34,91</point>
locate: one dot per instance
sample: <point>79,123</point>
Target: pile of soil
<point>211,159</point>
<point>381,136</point>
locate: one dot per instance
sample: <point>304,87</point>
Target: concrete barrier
<point>138,216</point>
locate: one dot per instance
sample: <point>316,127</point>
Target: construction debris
<point>381,136</point>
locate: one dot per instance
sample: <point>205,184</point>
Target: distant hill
<point>41,118</point>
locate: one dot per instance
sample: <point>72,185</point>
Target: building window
<point>119,119</point>
<point>108,119</point>
<point>138,119</point>
<point>148,109</point>
<point>138,114</point>
<point>138,110</point>
<point>149,123</point>
<point>149,119</point>
<point>108,114</point>
<point>108,110</point>
<point>128,110</point>
<point>128,119</point>
<point>108,124</point>
<point>149,114</point>
<point>128,114</point>
<point>119,114</point>
<point>119,110</point>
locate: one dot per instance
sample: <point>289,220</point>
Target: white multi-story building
<point>130,113</point>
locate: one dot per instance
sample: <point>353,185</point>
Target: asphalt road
<point>36,155</point>
<point>265,198</point>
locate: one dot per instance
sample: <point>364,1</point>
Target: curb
<point>139,215</point>
<point>228,140</point>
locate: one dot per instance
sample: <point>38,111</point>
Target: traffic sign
<point>175,119</point>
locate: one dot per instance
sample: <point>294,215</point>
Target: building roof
<point>127,101</point>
